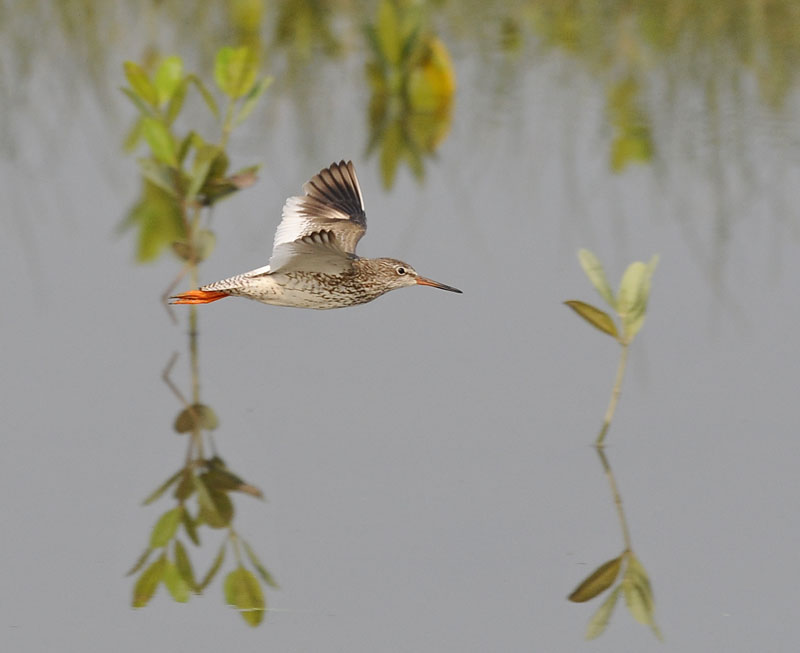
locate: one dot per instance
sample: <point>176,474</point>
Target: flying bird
<point>314,262</point>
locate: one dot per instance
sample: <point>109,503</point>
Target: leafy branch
<point>630,305</point>
<point>183,174</point>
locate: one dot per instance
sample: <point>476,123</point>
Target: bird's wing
<point>332,206</point>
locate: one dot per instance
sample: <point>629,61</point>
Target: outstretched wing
<point>320,230</point>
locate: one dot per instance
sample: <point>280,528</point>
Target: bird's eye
<point>401,270</point>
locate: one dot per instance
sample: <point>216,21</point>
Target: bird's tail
<point>198,297</point>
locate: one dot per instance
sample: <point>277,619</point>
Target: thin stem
<point>615,392</point>
<point>617,498</point>
<point>237,547</point>
<point>227,124</point>
<point>194,354</point>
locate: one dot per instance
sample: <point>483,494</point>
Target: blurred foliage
<point>413,86</point>
<point>641,52</point>
<point>183,172</point>
<point>202,490</point>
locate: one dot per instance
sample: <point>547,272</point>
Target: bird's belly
<point>302,290</point>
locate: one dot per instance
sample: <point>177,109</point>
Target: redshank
<point>314,262</point>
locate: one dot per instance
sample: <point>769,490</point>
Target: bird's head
<point>398,274</point>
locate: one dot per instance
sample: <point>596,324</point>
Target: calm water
<point>426,457</point>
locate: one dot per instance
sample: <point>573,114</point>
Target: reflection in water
<point>413,84</point>
<point>630,304</point>
<point>635,583</point>
<point>183,175</point>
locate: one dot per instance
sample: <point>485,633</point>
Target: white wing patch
<point>333,209</point>
<point>318,252</point>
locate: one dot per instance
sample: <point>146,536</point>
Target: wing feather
<point>333,204</point>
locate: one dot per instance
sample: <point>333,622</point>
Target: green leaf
<point>211,103</point>
<point>634,319</point>
<point>158,219</point>
<point>185,488</point>
<point>155,494</point>
<point>148,582</point>
<point>251,99</point>
<point>221,479</point>
<point>216,508</point>
<point>594,316</point>
<point>133,136</point>
<point>212,571</point>
<point>639,594</point>
<point>202,165</point>
<point>594,270</point>
<point>185,145</point>
<point>176,101</point>
<point>175,583</point>
<point>168,77</point>
<point>243,591</point>
<point>184,565</point>
<point>196,416</point>
<point>159,174</point>
<point>235,71</point>
<point>138,102</point>
<point>600,619</point>
<point>140,562</point>
<point>165,528</point>
<point>216,189</point>
<point>140,83</point>
<point>388,32</point>
<point>391,150</point>
<point>189,526</point>
<point>630,287</point>
<point>598,581</point>
<point>261,569</point>
<point>160,141</point>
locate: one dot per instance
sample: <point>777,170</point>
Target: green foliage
<point>209,483</point>
<point>630,303</point>
<point>634,586</point>
<point>598,581</point>
<point>243,591</point>
<point>594,316</point>
<point>194,417</point>
<point>599,621</point>
<point>413,87</point>
<point>182,171</point>
<point>235,71</point>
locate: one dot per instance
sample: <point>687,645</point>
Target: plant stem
<point>615,392</point>
<point>617,498</point>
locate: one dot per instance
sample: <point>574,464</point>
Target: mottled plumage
<point>313,263</point>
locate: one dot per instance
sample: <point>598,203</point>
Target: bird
<point>314,262</point>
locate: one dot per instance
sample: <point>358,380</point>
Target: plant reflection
<point>630,304</point>
<point>413,85</point>
<point>175,197</point>
<point>634,585</point>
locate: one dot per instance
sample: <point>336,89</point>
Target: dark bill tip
<point>422,281</point>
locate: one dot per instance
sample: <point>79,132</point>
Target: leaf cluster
<point>635,587</point>
<point>413,85</point>
<point>208,485</point>
<point>184,170</point>
<point>630,302</point>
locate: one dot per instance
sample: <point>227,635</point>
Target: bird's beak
<point>422,281</point>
